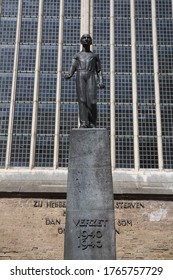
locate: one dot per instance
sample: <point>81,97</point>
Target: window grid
<point>47,87</point>
<point>69,106</point>
<point>27,57</point>
<point>25,87</point>
<point>44,151</point>
<point>164,8</point>
<point>122,31</point>
<point>63,151</point>
<point>50,31</point>
<point>123,60</point>
<point>3,144</point>
<point>51,8</point>
<point>124,141</point>
<point>101,40</point>
<point>101,31</point>
<point>148,152</point>
<point>147,120</point>
<point>103,96</point>
<point>124,120</point>
<point>123,88</point>
<point>5,87</point>
<point>166,89</point>
<point>72,8</point>
<point>4,116</point>
<point>28,33</point>
<point>8,30</point>
<point>103,115</point>
<point>9,8</point>
<point>144,32</point>
<point>49,58</point>
<point>30,8</point>
<point>68,116</point>
<point>71,31</point>
<point>46,119</point>
<point>167,120</point>
<point>20,150</point>
<point>22,118</point>
<point>168,152</point>
<point>21,139</point>
<point>6,58</point>
<point>165,32</point>
<point>144,57</point>
<point>165,55</point>
<point>104,55</point>
<point>101,9</point>
<point>124,152</point>
<point>8,24</point>
<point>122,8</point>
<point>143,9</point>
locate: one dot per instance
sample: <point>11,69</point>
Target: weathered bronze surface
<point>87,66</point>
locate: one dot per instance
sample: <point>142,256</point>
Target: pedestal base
<point>90,225</point>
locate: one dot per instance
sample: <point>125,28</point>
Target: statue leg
<point>92,99</point>
<point>83,115</point>
<point>81,93</point>
<point>93,115</point>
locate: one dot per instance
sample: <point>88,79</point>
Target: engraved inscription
<point>49,221</point>
<point>90,232</point>
<point>123,222</point>
<point>90,223</point>
<point>129,205</point>
<point>49,204</point>
<point>38,203</point>
<point>88,238</point>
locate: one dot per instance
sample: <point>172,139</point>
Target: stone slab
<point>90,230</point>
<point>33,228</point>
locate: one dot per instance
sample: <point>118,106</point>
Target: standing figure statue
<point>87,66</point>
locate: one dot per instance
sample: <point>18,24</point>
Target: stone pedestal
<point>90,225</point>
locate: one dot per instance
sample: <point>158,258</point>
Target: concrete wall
<point>33,228</point>
<point>124,181</point>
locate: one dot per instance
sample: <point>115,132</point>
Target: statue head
<point>86,39</point>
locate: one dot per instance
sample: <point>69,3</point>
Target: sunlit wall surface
<point>29,78</point>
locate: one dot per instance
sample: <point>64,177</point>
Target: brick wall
<point>34,228</point>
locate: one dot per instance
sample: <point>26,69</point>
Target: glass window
<point>9,8</point>
<point>6,58</point>
<point>7,31</point>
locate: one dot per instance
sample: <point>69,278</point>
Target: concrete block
<point>90,222</point>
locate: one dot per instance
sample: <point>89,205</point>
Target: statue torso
<point>86,61</point>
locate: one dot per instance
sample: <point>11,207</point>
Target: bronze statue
<point>87,65</point>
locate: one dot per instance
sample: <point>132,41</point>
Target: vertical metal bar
<point>85,17</point>
<point>156,85</point>
<point>134,87</point>
<point>85,26</point>
<point>14,82</point>
<point>36,86</point>
<point>58,89</point>
<point>112,82</point>
<point>91,20</point>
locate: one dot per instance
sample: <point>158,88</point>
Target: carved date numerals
<point>87,238</point>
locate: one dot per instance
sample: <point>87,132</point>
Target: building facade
<point>38,108</point>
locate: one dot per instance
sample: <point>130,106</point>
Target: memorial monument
<point>86,64</point>
<point>90,222</point>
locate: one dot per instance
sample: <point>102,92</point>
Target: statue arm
<point>72,69</point>
<point>99,73</point>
